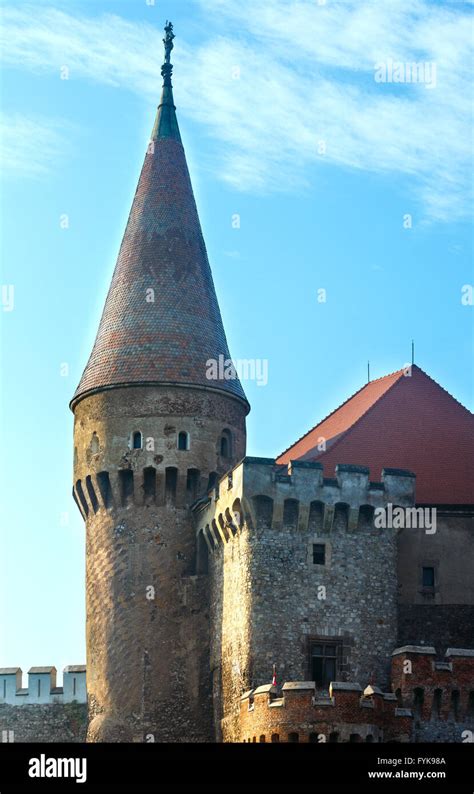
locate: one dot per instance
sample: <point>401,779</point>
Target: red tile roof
<point>170,339</point>
<point>399,421</point>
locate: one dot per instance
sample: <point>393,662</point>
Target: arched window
<point>470,704</point>
<point>171,482</point>
<point>212,480</point>
<point>149,484</point>
<point>418,700</point>
<point>454,710</point>
<point>192,482</point>
<point>137,440</point>
<point>226,444</point>
<point>95,445</point>
<point>316,515</point>
<point>366,517</point>
<point>183,440</point>
<point>263,506</point>
<point>290,512</point>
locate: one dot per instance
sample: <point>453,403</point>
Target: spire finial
<point>167,67</point>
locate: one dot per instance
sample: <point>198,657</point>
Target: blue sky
<point>258,87</point>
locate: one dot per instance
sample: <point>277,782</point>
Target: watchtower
<point>152,432</point>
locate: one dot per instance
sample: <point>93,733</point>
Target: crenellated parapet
<point>160,449</point>
<point>136,484</point>
<point>258,492</point>
<point>436,689</point>
<point>297,713</point>
<point>42,687</point>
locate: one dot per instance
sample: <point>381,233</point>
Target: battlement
<point>436,689</point>
<point>42,687</point>
<point>135,485</point>
<point>259,492</point>
<point>297,713</point>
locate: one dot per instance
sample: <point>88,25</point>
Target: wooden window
<point>324,663</point>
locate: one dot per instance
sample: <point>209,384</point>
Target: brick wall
<point>296,713</point>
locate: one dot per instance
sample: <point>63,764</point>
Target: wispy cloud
<point>306,77</point>
<point>31,147</point>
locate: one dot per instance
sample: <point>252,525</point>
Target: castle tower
<point>151,434</point>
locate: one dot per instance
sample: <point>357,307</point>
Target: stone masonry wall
<point>147,611</point>
<point>441,625</point>
<point>54,722</point>
<point>269,601</point>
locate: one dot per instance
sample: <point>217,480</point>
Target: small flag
<point>274,679</point>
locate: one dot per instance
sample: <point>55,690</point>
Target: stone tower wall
<point>147,610</point>
<point>270,602</point>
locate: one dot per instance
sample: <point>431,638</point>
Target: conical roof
<point>161,321</point>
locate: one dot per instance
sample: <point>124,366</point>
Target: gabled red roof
<point>400,421</point>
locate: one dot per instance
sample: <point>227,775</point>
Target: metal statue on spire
<point>168,40</point>
<point>167,68</point>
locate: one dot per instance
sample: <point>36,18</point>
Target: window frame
<point>226,436</point>
<point>335,643</point>
<point>426,585</point>
<point>323,547</point>
<point>316,539</point>
<point>132,440</point>
<point>187,438</point>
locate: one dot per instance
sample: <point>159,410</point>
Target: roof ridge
<point>395,382</point>
<point>388,375</point>
<point>445,390</point>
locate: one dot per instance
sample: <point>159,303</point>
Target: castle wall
<point>297,714</point>
<point>147,610</point>
<point>442,616</point>
<point>42,686</point>
<point>271,603</point>
<point>438,690</point>
<point>54,722</point>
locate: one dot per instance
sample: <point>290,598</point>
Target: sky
<point>353,193</point>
